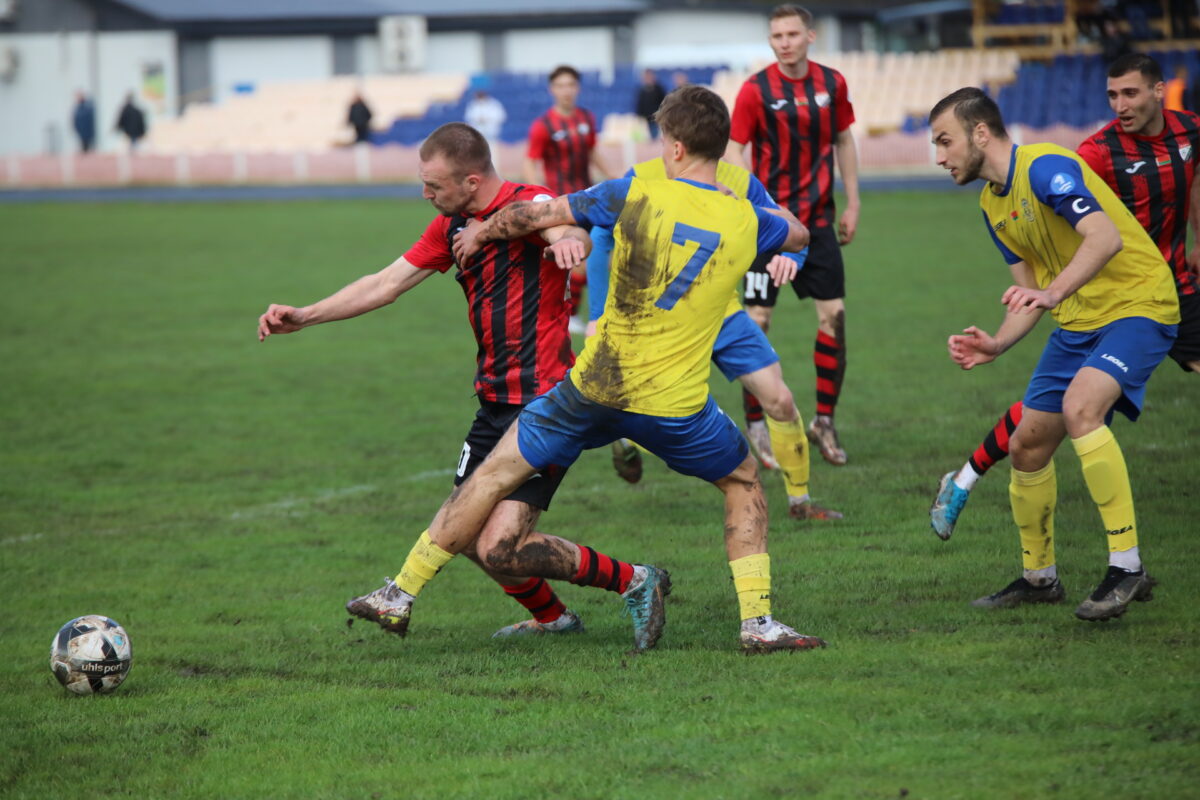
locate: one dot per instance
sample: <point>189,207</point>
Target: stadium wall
<point>243,62</point>
<point>37,103</point>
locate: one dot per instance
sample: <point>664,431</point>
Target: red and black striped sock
<point>829,357</point>
<point>537,596</point>
<point>605,572</point>
<point>996,443</point>
<point>753,408</point>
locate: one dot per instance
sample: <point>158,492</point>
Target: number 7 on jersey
<point>707,242</point>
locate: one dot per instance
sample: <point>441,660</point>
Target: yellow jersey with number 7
<point>679,249</point>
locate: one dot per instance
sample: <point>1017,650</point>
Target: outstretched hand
<point>279,319</point>
<point>973,347</point>
<point>782,269</point>
<point>466,242</point>
<point>568,252</point>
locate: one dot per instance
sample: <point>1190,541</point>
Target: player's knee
<point>1081,414</point>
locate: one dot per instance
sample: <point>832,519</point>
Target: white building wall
<point>700,38</point>
<point>454,52</point>
<point>543,50</point>
<point>367,55</point>
<point>254,60</point>
<point>37,104</point>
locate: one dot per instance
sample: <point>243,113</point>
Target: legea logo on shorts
<point>1116,361</point>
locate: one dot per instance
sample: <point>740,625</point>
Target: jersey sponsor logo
<point>584,128</point>
<point>1136,166</point>
<point>558,136</point>
<point>778,104</point>
<point>1079,206</point>
<point>822,99</point>
<point>1114,360</point>
<point>1061,183</point>
<point>1185,152</point>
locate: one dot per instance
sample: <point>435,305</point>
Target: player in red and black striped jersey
<point>562,152</point>
<point>797,115</point>
<point>1149,155</point>
<point>516,307</point>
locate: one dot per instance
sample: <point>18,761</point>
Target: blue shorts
<point>1128,349</point>
<point>742,347</point>
<point>556,427</point>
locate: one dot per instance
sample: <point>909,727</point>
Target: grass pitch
<point>222,499</point>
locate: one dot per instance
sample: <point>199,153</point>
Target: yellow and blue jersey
<point>738,179</point>
<point>1032,217</point>
<point>680,249</point>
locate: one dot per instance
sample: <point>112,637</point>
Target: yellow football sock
<point>1033,496</point>
<point>423,562</point>
<point>1107,479</point>
<point>790,443</point>
<point>752,582</point>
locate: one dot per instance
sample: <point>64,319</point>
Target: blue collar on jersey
<point>1012,166</point>
<point>698,184</point>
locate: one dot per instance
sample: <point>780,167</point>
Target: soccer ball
<point>91,655</point>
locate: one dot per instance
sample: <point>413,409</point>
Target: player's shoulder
<point>526,191</point>
<point>1098,138</point>
<point>1185,120</point>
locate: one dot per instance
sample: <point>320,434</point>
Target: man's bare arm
<point>798,235</point>
<point>532,171</point>
<point>365,294</point>
<point>847,162</point>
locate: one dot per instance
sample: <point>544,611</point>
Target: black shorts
<point>491,421</point>
<point>1187,343</point>
<point>823,276</point>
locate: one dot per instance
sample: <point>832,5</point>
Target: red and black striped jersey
<point>1153,176</point>
<point>792,126</point>
<point>564,143</point>
<point>516,303</point>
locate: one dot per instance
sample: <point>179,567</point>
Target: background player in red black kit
<point>797,115</point>
<point>562,151</point>
<point>515,304</point>
<point>1149,156</point>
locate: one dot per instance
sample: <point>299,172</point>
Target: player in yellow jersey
<point>682,247</point>
<point>742,352</point>
<point>1076,251</point>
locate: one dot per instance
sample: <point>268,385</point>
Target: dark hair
<point>792,10</point>
<point>563,69</point>
<point>971,107</point>
<point>462,146</point>
<point>1136,62</point>
<point>696,117</point>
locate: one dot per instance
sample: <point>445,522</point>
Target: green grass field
<point>222,499</point>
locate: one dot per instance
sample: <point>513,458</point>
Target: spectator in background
<point>486,114</point>
<point>84,120</point>
<point>1114,42</point>
<point>360,119</point>
<point>131,122</point>
<point>679,79</point>
<point>1176,89</point>
<point>649,97</point>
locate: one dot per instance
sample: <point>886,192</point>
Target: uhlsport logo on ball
<point>91,655</point>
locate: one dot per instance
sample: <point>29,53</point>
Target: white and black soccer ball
<point>91,655</point>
